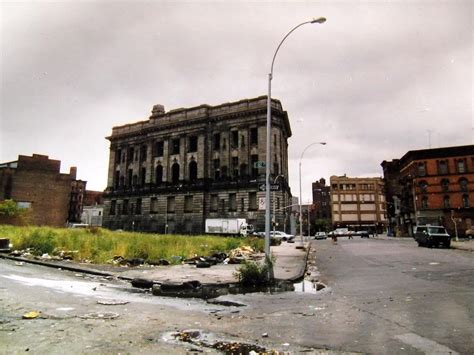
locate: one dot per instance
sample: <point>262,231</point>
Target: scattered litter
<point>31,315</point>
<point>434,263</point>
<point>265,335</point>
<point>112,302</point>
<point>19,263</point>
<point>95,315</point>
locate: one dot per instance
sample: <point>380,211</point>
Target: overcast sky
<point>378,79</point>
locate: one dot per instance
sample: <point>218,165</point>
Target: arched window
<point>159,175</point>
<point>446,203</point>
<point>465,201</point>
<point>193,171</point>
<point>463,184</point>
<point>445,185</point>
<point>175,173</point>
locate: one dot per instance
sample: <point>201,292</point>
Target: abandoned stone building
<point>170,173</point>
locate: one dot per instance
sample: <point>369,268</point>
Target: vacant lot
<point>99,245</point>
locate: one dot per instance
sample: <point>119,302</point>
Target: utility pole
<point>455,225</point>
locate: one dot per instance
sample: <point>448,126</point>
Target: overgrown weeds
<point>99,245</point>
<point>252,273</point>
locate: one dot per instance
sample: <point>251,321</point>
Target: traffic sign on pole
<point>273,187</point>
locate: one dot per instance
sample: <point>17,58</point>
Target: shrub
<point>251,273</point>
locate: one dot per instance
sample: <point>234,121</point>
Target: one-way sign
<point>273,187</point>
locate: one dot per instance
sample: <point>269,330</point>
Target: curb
<point>64,267</point>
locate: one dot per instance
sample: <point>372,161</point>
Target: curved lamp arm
<point>318,20</point>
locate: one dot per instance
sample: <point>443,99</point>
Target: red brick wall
<point>38,180</point>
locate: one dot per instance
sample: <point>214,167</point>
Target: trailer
<point>228,226</point>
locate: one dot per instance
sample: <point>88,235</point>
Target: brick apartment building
<point>358,203</point>
<point>36,183</point>
<point>431,186</point>
<point>177,168</point>
<point>321,208</point>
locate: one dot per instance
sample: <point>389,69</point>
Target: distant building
<point>36,183</point>
<point>321,208</point>
<point>431,186</point>
<point>78,188</point>
<point>358,203</point>
<point>177,168</point>
<point>93,209</point>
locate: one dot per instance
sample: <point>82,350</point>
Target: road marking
<point>426,345</point>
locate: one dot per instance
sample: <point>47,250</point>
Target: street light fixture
<point>301,198</point>
<point>319,20</point>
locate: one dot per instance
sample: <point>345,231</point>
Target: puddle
<point>306,286</point>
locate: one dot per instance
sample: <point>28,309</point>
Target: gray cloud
<point>370,81</point>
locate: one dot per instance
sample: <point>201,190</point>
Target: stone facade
<point>358,203</point>
<point>36,183</point>
<point>174,170</point>
<point>431,186</point>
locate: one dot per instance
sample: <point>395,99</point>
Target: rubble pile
<point>235,256</point>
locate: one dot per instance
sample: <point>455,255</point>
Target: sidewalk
<point>290,265</point>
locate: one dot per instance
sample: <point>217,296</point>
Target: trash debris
<point>121,261</point>
<point>142,283</point>
<point>161,262</point>
<point>96,315</point>
<point>111,302</point>
<point>195,337</point>
<point>31,315</point>
<point>19,263</point>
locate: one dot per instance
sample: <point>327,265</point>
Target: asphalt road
<point>383,297</point>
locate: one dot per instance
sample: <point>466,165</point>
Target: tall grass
<point>100,245</point>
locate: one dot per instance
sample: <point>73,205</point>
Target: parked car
<point>428,235</point>
<point>341,232</point>
<point>282,235</point>
<point>363,234</point>
<point>320,235</point>
<point>258,234</point>
<point>469,232</point>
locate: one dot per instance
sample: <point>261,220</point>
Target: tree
<point>9,208</point>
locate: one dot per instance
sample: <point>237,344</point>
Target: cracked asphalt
<point>382,297</point>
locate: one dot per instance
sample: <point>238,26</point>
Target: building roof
<point>183,116</point>
<point>434,153</point>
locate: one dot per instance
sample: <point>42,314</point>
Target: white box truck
<point>228,226</point>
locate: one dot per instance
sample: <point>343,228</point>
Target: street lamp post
<point>319,20</point>
<point>301,197</point>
